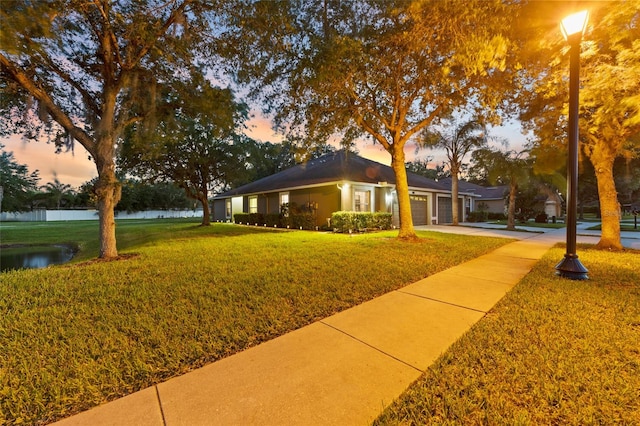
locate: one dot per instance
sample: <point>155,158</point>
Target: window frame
<point>357,202</point>
<point>253,204</point>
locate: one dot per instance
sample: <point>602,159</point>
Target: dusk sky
<point>75,168</point>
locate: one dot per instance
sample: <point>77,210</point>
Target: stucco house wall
<point>493,206</point>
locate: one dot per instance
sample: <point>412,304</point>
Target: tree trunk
<point>454,194</point>
<point>602,155</point>
<point>609,207</point>
<point>206,215</point>
<point>108,191</point>
<point>511,211</point>
<point>402,190</point>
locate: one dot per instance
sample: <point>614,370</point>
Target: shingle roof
<point>333,167</point>
<point>485,192</point>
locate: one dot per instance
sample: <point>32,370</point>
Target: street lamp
<point>572,29</point>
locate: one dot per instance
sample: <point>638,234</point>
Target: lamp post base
<point>571,268</point>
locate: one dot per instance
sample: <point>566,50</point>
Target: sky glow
<point>75,168</point>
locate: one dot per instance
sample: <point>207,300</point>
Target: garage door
<point>444,210</point>
<point>419,210</point>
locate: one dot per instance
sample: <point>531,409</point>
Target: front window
<point>284,203</point>
<point>228,207</point>
<point>362,199</point>
<point>253,204</point>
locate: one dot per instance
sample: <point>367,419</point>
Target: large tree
<point>84,70</point>
<point>381,69</point>
<point>192,144</point>
<point>504,168</point>
<point>457,139</point>
<point>609,91</point>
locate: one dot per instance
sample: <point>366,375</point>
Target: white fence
<point>62,215</point>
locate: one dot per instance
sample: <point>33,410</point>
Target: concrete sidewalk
<point>342,370</point>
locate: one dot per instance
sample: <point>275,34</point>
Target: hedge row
<point>340,221</point>
<point>480,216</point>
<point>275,220</point>
<point>359,221</point>
<point>484,216</point>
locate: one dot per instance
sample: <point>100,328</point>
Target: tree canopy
<point>192,142</point>
<point>457,139</point>
<point>609,92</point>
<point>421,167</point>
<point>504,168</point>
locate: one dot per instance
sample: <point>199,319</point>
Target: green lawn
<point>552,352</point>
<point>79,335</point>
<point>624,226</point>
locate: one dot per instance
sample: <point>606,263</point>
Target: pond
<point>30,257</point>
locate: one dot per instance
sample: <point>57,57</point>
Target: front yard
<point>75,336</point>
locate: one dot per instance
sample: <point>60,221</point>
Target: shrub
<point>496,216</point>
<point>381,220</point>
<point>477,216</point>
<point>256,219</point>
<point>294,221</point>
<point>360,221</point>
<point>273,219</point>
<point>241,218</point>
<point>541,218</point>
<point>299,217</point>
<point>300,220</point>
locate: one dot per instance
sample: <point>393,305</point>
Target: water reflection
<point>30,257</point>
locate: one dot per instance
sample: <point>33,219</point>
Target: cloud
<point>72,168</point>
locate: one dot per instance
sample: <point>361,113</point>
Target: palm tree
<point>505,168</point>
<point>56,190</point>
<point>457,140</point>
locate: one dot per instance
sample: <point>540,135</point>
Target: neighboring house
<point>550,202</point>
<point>491,199</point>
<point>340,181</point>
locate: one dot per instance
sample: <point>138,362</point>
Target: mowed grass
<point>84,234</point>
<point>552,352</point>
<point>75,336</point>
<point>624,226</point>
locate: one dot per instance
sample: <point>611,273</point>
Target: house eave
<point>302,187</point>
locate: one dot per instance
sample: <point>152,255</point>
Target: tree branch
<point>42,96</point>
<point>89,101</point>
<point>161,31</point>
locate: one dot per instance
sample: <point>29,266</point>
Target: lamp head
<point>573,26</point>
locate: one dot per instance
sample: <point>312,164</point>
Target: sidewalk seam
<point>164,420</point>
<point>372,347</point>
<point>442,301</point>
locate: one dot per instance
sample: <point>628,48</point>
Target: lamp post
<point>572,29</point>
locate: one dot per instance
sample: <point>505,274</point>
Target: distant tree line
<point>247,160</point>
